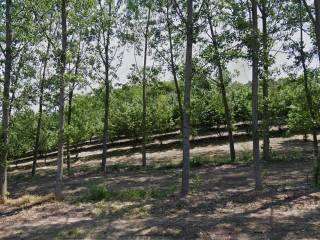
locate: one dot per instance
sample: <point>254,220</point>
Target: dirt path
<point>223,204</point>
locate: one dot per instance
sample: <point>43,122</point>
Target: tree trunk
<point>5,104</point>
<point>69,115</point>
<point>186,105</point>
<point>144,97</point>
<point>58,187</point>
<point>106,100</point>
<point>265,85</point>
<point>255,89</point>
<point>309,103</point>
<point>39,122</point>
<point>317,25</point>
<point>223,92</point>
<point>174,70</point>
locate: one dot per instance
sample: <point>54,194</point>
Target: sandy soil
<point>223,204</point>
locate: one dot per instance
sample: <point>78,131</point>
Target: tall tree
<point>255,90</point>
<point>308,94</point>
<point>265,80</point>
<point>39,121</point>
<point>110,30</point>
<point>315,19</point>
<point>144,97</point>
<point>62,63</point>
<point>186,103</point>
<point>173,65</point>
<point>216,58</point>
<point>5,103</point>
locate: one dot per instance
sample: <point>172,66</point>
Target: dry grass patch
<point>27,200</point>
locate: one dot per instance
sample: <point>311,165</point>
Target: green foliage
<point>99,193</point>
<point>195,183</point>
<point>286,103</point>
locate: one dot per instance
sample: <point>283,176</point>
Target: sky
<point>240,68</point>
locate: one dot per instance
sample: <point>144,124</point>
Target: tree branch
<point>179,11</point>
<point>309,11</point>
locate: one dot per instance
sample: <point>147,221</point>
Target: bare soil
<point>222,205</point>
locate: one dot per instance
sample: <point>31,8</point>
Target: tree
<point>309,101</point>
<point>213,55</point>
<point>5,103</point>
<point>173,64</point>
<point>144,83</point>
<point>255,90</point>
<point>110,30</point>
<point>39,121</point>
<point>265,80</point>
<point>186,104</point>
<point>315,19</point>
<point>62,63</point>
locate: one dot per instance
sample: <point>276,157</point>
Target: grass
<point>287,157</point>
<point>195,183</point>
<point>27,200</point>
<point>74,233</point>
<point>97,193</point>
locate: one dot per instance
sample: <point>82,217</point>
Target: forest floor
<point>145,203</point>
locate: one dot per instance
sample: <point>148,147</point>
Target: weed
<point>98,193</point>
<point>75,233</point>
<point>196,182</point>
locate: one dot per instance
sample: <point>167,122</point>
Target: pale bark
<point>186,105</point>
<point>144,97</point>
<point>59,175</point>
<point>6,103</point>
<point>255,89</point>
<point>107,94</point>
<point>223,91</point>
<point>265,84</point>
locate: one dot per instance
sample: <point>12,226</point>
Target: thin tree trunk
<point>69,115</point>
<point>174,70</point>
<point>317,11</point>
<point>39,122</point>
<point>5,104</point>
<point>58,187</point>
<point>106,100</point>
<point>265,85</point>
<point>223,92</point>
<point>255,89</point>
<point>186,105</point>
<point>317,25</point>
<point>144,97</point>
<point>309,103</point>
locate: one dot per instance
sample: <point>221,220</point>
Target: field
<point>136,203</point>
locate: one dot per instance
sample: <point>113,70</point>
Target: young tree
<point>173,64</point>
<point>255,90</point>
<point>186,104</point>
<point>144,98</point>
<point>214,56</point>
<point>40,113</point>
<point>302,60</point>
<point>62,63</point>
<point>110,31</point>
<point>265,79</point>
<point>5,103</point>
